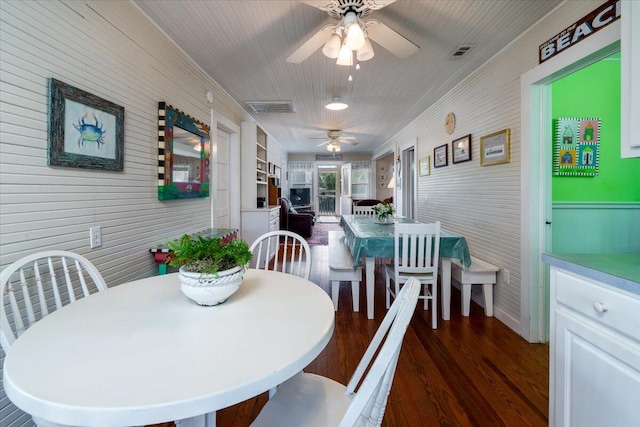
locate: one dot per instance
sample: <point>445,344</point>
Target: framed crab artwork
<point>85,131</point>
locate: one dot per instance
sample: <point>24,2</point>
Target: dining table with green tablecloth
<point>368,239</point>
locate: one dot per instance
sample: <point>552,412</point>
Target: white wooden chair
<point>37,285</point>
<point>417,248</point>
<point>283,251</point>
<point>312,400</point>
<point>363,210</point>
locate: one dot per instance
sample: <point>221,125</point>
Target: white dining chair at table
<point>311,400</point>
<point>39,284</point>
<point>417,249</point>
<point>284,251</point>
<point>363,210</point>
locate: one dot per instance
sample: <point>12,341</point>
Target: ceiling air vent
<point>262,107</point>
<point>462,50</point>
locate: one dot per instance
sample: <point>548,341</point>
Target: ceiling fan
<point>335,139</point>
<point>353,32</point>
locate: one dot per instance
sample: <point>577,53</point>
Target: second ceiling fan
<point>335,139</point>
<point>352,33</point>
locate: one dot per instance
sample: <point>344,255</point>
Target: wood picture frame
<point>425,166</point>
<point>441,156</point>
<point>495,148</point>
<point>461,149</point>
<point>85,131</point>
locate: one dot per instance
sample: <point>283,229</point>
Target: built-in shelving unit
<point>260,210</point>
<point>254,152</point>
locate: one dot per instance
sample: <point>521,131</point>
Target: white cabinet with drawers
<point>594,352</point>
<point>256,222</point>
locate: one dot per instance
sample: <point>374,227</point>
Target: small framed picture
<point>441,156</point>
<point>494,148</point>
<point>425,166</point>
<point>461,149</point>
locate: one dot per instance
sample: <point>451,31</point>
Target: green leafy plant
<point>207,255</point>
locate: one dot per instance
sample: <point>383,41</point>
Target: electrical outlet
<point>95,237</point>
<point>506,277</point>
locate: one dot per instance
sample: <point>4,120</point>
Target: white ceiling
<point>243,45</point>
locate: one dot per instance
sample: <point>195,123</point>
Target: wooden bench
<point>341,269</point>
<point>479,273</point>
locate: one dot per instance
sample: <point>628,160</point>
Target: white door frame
<point>535,173</point>
<point>218,121</point>
<point>399,193</point>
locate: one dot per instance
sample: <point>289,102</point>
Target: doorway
<point>536,173</point>
<point>326,191</point>
<point>222,205</point>
<point>408,172</point>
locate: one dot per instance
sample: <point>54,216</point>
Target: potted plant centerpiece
<point>384,211</point>
<point>211,269</point>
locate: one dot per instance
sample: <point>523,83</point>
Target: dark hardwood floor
<point>471,371</point>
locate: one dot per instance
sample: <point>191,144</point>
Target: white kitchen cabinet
<point>594,353</point>
<point>256,222</point>
<point>630,83</point>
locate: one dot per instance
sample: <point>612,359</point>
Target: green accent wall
<point>594,91</point>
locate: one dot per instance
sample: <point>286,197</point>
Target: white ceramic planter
<point>210,289</point>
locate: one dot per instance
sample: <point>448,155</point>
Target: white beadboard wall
<point>112,50</point>
<point>483,202</point>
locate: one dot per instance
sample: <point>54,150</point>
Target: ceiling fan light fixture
<point>365,53</point>
<point>355,35</point>
<point>331,48</point>
<point>336,104</point>
<point>333,147</point>
<point>345,57</point>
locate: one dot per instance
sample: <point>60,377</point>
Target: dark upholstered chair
<point>366,202</point>
<point>293,220</point>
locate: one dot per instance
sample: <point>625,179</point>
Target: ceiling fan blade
<point>314,43</point>
<point>395,43</point>
<point>324,143</point>
<point>346,141</point>
<point>316,3</point>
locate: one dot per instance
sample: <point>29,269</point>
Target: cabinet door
<point>597,375</point>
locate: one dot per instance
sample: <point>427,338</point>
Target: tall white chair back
<point>283,251</point>
<point>417,248</point>
<point>363,210</point>
<point>39,284</point>
<point>312,400</point>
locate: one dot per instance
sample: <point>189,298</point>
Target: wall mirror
<point>183,155</point>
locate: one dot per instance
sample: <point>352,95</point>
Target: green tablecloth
<point>367,238</point>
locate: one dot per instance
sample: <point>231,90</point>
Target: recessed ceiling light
<point>336,104</point>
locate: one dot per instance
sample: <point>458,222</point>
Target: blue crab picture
<point>90,132</point>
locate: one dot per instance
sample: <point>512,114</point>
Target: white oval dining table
<point>142,353</point>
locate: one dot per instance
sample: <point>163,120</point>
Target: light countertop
<point>618,270</point>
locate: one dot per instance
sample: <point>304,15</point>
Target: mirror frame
<point>168,118</point>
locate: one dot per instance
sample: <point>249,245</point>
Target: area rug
<point>328,218</point>
<point>320,234</point>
